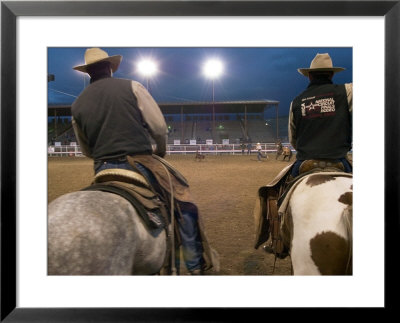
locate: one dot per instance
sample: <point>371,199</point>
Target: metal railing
<point>212,149</point>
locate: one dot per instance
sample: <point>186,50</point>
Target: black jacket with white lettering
<point>323,122</point>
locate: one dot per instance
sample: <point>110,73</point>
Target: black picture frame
<point>10,10</point>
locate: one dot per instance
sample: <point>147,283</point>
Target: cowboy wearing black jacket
<point>320,118</point>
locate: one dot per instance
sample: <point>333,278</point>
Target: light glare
<point>147,67</point>
<point>213,68</point>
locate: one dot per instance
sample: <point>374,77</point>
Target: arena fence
<point>211,149</point>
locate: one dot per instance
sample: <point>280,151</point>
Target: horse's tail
<point>347,219</point>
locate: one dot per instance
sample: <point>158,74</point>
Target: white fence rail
<point>64,151</point>
<point>213,149</point>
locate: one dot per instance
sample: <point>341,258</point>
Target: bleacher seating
<point>200,130</point>
<point>258,131</point>
<point>61,132</point>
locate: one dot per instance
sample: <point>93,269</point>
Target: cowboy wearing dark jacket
<point>320,129</point>
<point>114,121</point>
<point>320,118</point>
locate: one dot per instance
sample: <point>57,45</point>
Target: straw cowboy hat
<point>96,55</point>
<point>321,62</point>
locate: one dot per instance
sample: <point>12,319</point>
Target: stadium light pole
<point>147,68</point>
<point>213,69</point>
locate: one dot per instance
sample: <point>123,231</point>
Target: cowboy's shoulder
<point>299,96</point>
<point>348,86</point>
<point>349,90</point>
<point>137,85</point>
<point>344,84</point>
<point>119,79</point>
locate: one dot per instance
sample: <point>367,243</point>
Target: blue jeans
<point>192,247</point>
<point>188,228</point>
<point>187,221</point>
<point>345,162</point>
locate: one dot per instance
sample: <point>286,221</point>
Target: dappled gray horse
<point>101,233</point>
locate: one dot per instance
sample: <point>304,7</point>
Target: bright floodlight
<point>147,68</point>
<point>213,68</point>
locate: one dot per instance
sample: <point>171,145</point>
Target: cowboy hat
<point>322,63</point>
<point>96,55</point>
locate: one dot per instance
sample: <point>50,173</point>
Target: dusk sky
<point>249,73</point>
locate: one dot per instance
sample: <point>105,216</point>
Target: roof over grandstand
<point>252,106</point>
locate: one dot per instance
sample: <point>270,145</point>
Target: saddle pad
<point>118,174</point>
<point>323,165</point>
<point>149,207</point>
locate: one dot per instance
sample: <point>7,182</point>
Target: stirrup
<point>280,255</point>
<point>268,249</point>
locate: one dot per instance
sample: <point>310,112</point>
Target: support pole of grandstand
<point>182,138</point>
<point>277,122</point>
<point>213,111</point>
<point>213,69</point>
<point>245,121</point>
<point>55,123</point>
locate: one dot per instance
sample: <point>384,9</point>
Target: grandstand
<point>199,122</point>
<point>216,128</point>
<point>231,121</point>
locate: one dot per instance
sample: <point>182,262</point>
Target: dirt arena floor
<point>224,187</point>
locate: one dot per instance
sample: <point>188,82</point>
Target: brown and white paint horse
<point>317,224</point>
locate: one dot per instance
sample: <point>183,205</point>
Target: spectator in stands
<point>320,118</point>
<point>114,120</point>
